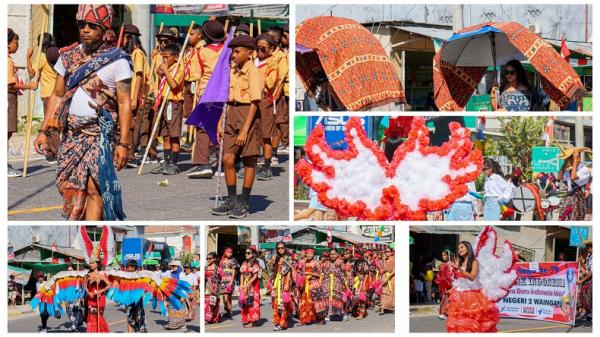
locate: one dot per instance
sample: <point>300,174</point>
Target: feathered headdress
<point>103,252</point>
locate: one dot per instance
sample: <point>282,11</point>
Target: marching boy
<point>240,133</point>
<point>172,116</point>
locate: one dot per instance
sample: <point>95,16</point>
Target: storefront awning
<point>431,32</point>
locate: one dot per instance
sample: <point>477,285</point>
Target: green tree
<point>521,134</point>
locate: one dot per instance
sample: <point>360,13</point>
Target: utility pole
<point>457,17</point>
<point>426,15</point>
<point>579,137</point>
<point>586,22</point>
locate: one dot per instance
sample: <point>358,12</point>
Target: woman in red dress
<point>312,295</point>
<point>228,266</point>
<point>212,290</point>
<point>249,299</point>
<point>96,286</point>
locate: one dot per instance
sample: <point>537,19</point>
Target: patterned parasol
<point>346,54</point>
<point>463,60</point>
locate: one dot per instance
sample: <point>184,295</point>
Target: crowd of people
<point>301,286</point>
<point>89,311</point>
<point>105,96</point>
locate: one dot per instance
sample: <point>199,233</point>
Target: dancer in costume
<point>249,298</point>
<point>360,286</point>
<point>388,279</point>
<point>313,304</point>
<point>281,278</point>
<point>575,175</point>
<point>176,314</point>
<point>91,102</point>
<point>444,280</point>
<point>212,290</point>
<point>228,266</point>
<point>97,286</point>
<point>333,284</point>
<point>481,279</point>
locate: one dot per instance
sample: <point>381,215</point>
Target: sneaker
<point>73,328</point>
<point>150,160</point>
<point>186,147</point>
<point>51,160</point>
<point>12,172</point>
<point>442,317</point>
<point>219,174</point>
<point>159,169</point>
<point>200,171</point>
<point>132,163</point>
<point>327,319</point>
<point>260,161</point>
<point>264,174</point>
<point>345,318</point>
<point>276,328</point>
<point>241,174</point>
<point>224,209</point>
<point>171,169</point>
<point>274,161</point>
<point>283,150</point>
<point>44,330</point>
<point>240,211</point>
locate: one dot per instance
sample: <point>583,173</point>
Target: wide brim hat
<point>168,33</point>
<point>131,29</point>
<point>567,153</point>
<point>246,41</point>
<point>175,263</point>
<point>214,30</point>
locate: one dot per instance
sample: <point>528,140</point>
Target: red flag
<point>564,50</point>
<point>54,247</point>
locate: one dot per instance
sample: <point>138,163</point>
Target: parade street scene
<point>443,168</point>
<point>148,112</point>
<point>299,279</point>
<point>500,279</point>
<point>444,57</point>
<point>103,279</point>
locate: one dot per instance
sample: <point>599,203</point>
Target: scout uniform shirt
<point>12,73</point>
<point>246,84</point>
<point>138,58</point>
<point>193,68</point>
<point>282,56</point>
<point>47,78</point>
<point>174,95</point>
<point>209,56</point>
<point>154,80</point>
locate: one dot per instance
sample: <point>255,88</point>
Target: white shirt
<point>190,278</point>
<point>496,187</point>
<point>468,197</point>
<point>110,74</point>
<point>165,274</point>
<point>583,176</point>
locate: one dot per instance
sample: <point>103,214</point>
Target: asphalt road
<point>116,319</point>
<point>431,323</point>
<point>36,197</point>
<point>372,323</point>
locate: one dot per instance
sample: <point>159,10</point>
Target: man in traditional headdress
<point>91,95</point>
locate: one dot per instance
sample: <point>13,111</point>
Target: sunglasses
<point>510,72</point>
<point>165,41</point>
<point>279,248</point>
<point>262,49</point>
<point>93,26</point>
<point>210,258</point>
<point>248,253</point>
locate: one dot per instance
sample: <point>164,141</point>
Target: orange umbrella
<point>354,62</point>
<point>454,79</point>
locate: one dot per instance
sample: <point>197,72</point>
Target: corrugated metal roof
<point>584,48</point>
<point>346,236</point>
<point>451,229</point>
<point>433,32</point>
<point>261,11</point>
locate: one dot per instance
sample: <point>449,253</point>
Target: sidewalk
<point>20,311</point>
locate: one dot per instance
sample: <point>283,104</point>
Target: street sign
<point>545,159</point>
<point>578,235</point>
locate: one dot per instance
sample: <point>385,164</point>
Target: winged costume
<point>360,182</point>
<point>472,304</point>
<point>123,288</point>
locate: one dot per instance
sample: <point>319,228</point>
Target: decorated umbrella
<point>464,58</point>
<point>354,62</point>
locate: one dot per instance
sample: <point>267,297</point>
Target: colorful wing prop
<point>64,287</point>
<point>131,287</point>
<point>496,274</point>
<point>360,182</point>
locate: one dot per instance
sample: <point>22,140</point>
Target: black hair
<point>47,41</point>
<point>277,255</point>
<point>390,146</point>
<point>276,29</point>
<point>361,266</point>
<point>197,28</point>
<point>470,256</point>
<point>521,75</point>
<point>132,263</point>
<point>213,254</point>
<point>269,40</point>
<point>172,48</point>
<point>12,35</point>
<point>489,162</point>
<point>133,41</point>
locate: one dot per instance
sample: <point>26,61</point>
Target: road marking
<point>534,329</point>
<point>218,326</point>
<point>34,210</point>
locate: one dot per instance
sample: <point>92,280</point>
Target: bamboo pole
<point>120,40</point>
<point>32,95</point>
<point>259,27</point>
<point>165,96</point>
